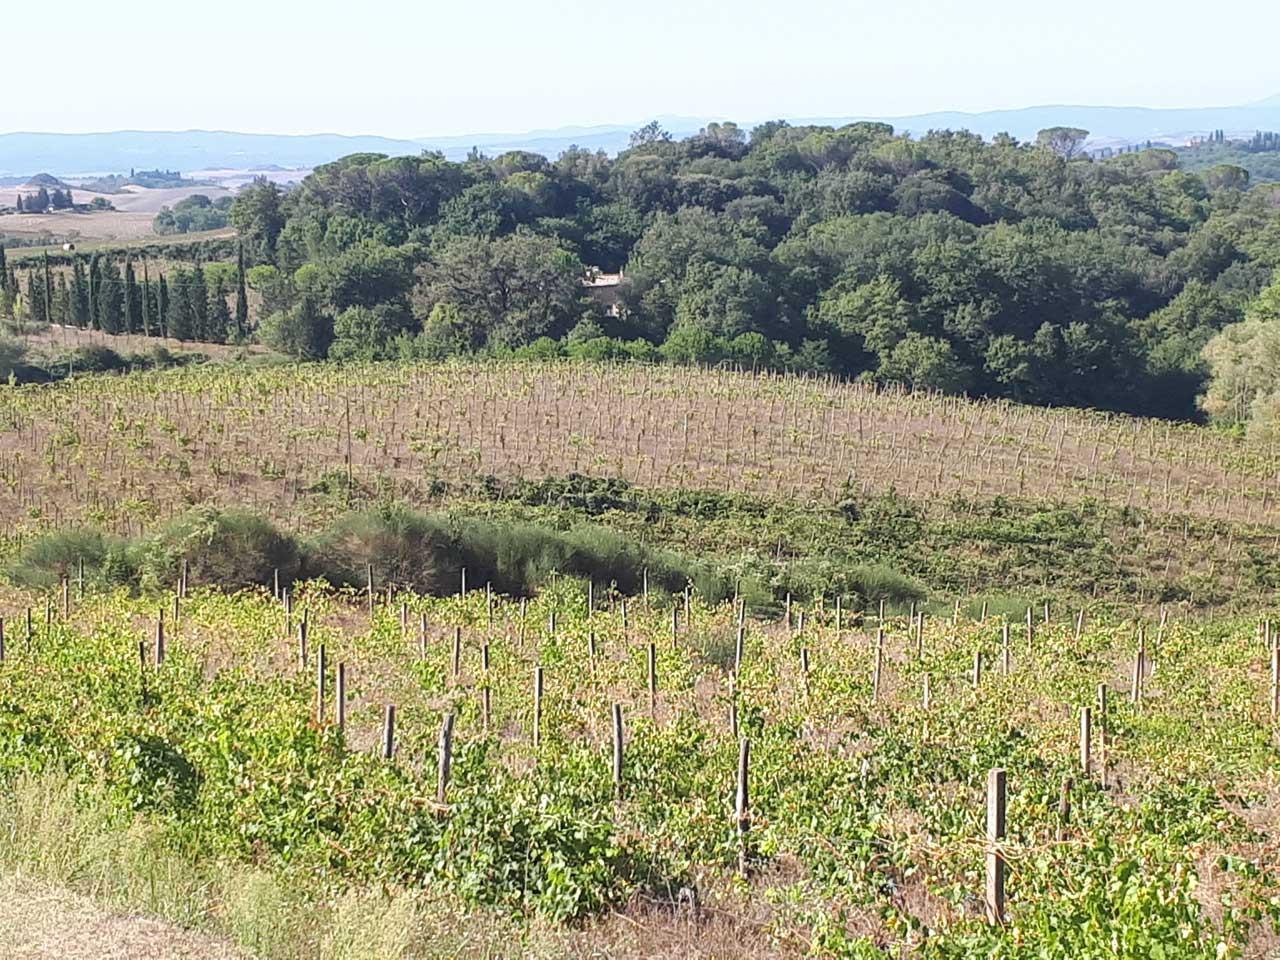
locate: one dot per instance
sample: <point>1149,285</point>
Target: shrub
<point>407,548</point>
<point>43,562</point>
<point>227,548</point>
<point>95,358</point>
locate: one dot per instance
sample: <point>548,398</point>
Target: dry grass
<point>56,339</point>
<point>147,446</point>
<point>42,922</point>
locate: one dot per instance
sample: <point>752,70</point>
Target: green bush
<point>225,548</point>
<point>43,562</point>
<point>405,547</point>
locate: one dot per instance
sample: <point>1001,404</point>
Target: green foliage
<point>227,548</point>
<point>193,214</point>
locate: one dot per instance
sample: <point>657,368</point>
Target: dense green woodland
<point>1000,268</point>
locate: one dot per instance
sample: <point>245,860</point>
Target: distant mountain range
<point>69,154</point>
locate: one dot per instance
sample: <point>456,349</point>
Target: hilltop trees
<point>1244,366</point>
<point>506,291</point>
<point>945,262</point>
<point>258,216</point>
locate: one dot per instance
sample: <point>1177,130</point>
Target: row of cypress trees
<point>184,305</point>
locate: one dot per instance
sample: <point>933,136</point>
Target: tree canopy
<point>999,268</point>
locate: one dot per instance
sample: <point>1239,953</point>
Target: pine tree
<point>146,300</point>
<point>132,303</point>
<point>162,307</point>
<point>41,201</point>
<point>70,202</point>
<point>242,296</point>
<point>110,298</point>
<point>79,294</point>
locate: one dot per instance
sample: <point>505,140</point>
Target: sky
<point>402,68</point>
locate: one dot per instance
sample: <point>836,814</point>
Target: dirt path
<point>38,922</point>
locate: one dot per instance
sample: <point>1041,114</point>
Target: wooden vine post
<point>486,693</point>
<point>389,732</point>
<point>742,807</point>
<point>996,785</point>
<point>617,750</point>
<point>444,762</point>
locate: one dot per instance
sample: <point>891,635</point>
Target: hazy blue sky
<point>403,68</point>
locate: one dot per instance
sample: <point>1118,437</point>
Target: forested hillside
<point>995,268</point>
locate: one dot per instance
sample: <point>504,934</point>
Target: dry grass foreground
<point>121,450</point>
<point>42,922</point>
<point>57,338</point>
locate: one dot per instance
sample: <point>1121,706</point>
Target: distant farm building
<point>606,290</point>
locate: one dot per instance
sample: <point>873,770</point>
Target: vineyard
<point>269,707</point>
<point>815,784</point>
<point>126,451</point>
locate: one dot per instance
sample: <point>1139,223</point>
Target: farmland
<point>151,443</point>
<point>1035,563</point>
<point>862,827</point>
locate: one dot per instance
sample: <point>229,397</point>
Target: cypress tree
<point>132,303</point>
<point>146,300</point>
<point>110,298</point>
<point>79,294</point>
<point>219,316</point>
<point>4,271</point>
<point>18,204</point>
<point>181,317</point>
<point>48,290</point>
<point>242,296</point>
<point>95,288</point>
<point>35,299</point>
<point>198,302</point>
<point>61,312</point>
<point>162,307</point>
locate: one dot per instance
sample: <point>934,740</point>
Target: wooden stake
<point>742,809</point>
<point>977,668</point>
<point>617,750</point>
<point>444,760</point>
<point>389,732</point>
<point>160,650</point>
<point>486,695</point>
<point>456,659</point>
<point>996,783</point>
